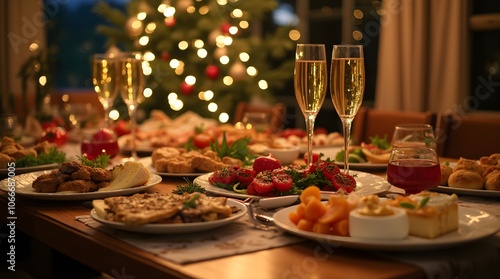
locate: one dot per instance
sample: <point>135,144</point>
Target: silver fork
<point>252,216</point>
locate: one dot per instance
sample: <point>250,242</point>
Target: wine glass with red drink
<point>414,169</point>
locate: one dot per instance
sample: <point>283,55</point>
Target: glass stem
<point>133,124</point>
<point>346,123</point>
<point>310,130</point>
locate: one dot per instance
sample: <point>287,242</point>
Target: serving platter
<point>473,225</point>
<point>147,162</point>
<point>176,228</point>
<point>23,187</point>
<point>366,184</point>
<point>467,192</point>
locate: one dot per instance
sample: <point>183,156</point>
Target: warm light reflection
<point>114,114</point>
<point>212,107</point>
<point>263,84</point>
<point>252,71</point>
<point>223,117</point>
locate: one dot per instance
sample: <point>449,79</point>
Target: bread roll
<point>466,179</point>
<point>446,171</point>
<point>493,181</point>
<point>468,164</point>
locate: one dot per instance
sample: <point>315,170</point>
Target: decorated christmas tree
<point>204,55</point>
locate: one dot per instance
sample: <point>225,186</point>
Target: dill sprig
<point>50,157</point>
<point>189,188</point>
<point>102,161</point>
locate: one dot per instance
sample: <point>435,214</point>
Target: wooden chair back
<point>370,122</point>
<point>275,113</point>
<point>470,135</point>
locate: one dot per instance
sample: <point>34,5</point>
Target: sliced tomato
<point>282,182</point>
<point>344,181</point>
<point>245,175</point>
<point>319,165</point>
<point>224,176</point>
<point>263,182</point>
<point>264,163</point>
<point>330,170</point>
<point>202,140</point>
<point>303,170</point>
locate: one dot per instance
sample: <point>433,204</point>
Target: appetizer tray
<point>176,228</point>
<point>366,184</point>
<point>473,225</point>
<point>24,188</point>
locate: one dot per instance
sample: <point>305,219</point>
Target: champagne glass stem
<point>346,123</point>
<point>310,119</point>
<point>133,124</point>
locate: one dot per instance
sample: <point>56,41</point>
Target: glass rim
<point>413,126</point>
<point>311,45</point>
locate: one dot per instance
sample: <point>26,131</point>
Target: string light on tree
<point>206,40</point>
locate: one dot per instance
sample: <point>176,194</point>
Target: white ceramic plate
<point>473,225</point>
<point>367,184</point>
<point>467,192</point>
<point>24,188</point>
<point>331,152</point>
<point>176,228</point>
<point>146,161</point>
<point>17,171</point>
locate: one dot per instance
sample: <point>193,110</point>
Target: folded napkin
<point>236,238</point>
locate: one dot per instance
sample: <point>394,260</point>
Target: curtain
<point>423,55</point>
<point>23,23</point>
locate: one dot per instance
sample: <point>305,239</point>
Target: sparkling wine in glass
<point>347,86</point>
<point>104,78</point>
<point>310,78</point>
<point>131,78</point>
<point>414,169</point>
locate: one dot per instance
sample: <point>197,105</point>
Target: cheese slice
<point>128,175</point>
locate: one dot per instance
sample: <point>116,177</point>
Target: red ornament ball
<point>224,28</point>
<point>212,72</point>
<point>165,56</point>
<point>186,89</point>
<point>169,21</point>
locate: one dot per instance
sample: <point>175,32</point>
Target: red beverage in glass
<point>414,175</point>
<point>93,149</point>
<point>102,142</point>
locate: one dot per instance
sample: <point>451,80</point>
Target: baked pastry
<point>468,164</point>
<point>492,180</point>
<point>467,179</point>
<point>431,219</point>
<point>446,171</point>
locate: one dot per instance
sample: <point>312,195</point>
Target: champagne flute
<point>310,85</point>
<point>104,79</point>
<point>347,86</point>
<point>131,78</point>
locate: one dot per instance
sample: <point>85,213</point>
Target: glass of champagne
<point>131,78</point>
<point>104,79</point>
<point>310,78</point>
<point>347,86</point>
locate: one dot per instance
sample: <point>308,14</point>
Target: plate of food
<point>81,185</point>
<point>424,227</point>
<point>366,184</point>
<point>181,216</point>
<point>471,177</point>
<point>148,163</point>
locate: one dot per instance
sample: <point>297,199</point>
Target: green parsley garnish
<point>189,188</point>
<point>238,149</point>
<point>409,205</point>
<point>192,202</point>
<point>52,156</point>
<point>381,143</point>
<point>102,161</point>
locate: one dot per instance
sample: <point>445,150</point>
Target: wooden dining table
<point>53,223</point>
